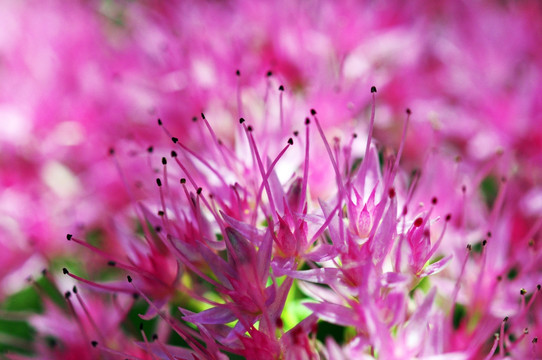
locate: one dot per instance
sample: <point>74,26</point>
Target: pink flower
<point>428,263</point>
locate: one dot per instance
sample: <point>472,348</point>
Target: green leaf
<point>27,299</point>
<point>489,188</point>
<point>460,313</point>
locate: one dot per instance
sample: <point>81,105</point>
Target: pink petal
<point>320,275</point>
<point>333,313</point>
<point>216,315</point>
<point>436,267</point>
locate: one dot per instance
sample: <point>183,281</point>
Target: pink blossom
<point>430,263</point>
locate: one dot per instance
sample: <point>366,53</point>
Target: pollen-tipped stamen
<point>98,285</point>
<point>146,341</point>
<point>281,92</point>
<point>217,143</point>
<point>266,179</point>
<point>118,354</point>
<point>265,182</point>
<point>117,263</point>
<point>304,183</point>
<point>460,277</point>
<point>372,120</point>
<point>501,336</point>
<point>88,315</point>
<point>78,321</point>
<point>493,348</point>
<point>187,334</point>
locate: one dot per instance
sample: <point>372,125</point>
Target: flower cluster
<point>265,229</point>
<point>238,232</point>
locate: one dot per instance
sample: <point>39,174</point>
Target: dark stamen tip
<point>538,287</point>
<point>174,139</point>
<point>202,116</point>
<point>111,151</point>
<point>173,153</point>
<point>199,190</point>
<point>183,181</point>
<point>164,161</point>
<point>160,213</point>
<point>448,217</point>
<point>111,263</point>
<point>408,111</point>
<point>129,278</point>
<point>522,292</point>
<point>290,141</point>
<point>150,149</point>
<point>307,121</point>
<point>313,112</point>
<point>241,120</point>
<point>194,119</point>
<point>535,340</point>
<point>434,200</point>
<point>94,343</point>
<point>154,337</point>
<point>141,326</point>
<point>373,89</point>
<point>159,122</point>
<point>67,294</point>
<point>484,243</point>
<point>469,247</point>
<point>74,289</point>
<point>69,236</point>
<point>505,319</point>
<point>249,128</point>
<point>354,135</point>
<point>281,88</point>
<point>269,73</point>
<point>158,182</point>
<point>65,271</point>
<point>391,193</point>
<point>296,133</point>
<point>237,72</point>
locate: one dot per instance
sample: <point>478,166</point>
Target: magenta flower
<point>410,237</point>
<point>239,240</point>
